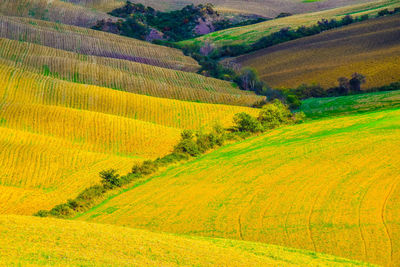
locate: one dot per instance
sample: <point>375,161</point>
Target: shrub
<point>62,210</point>
<point>274,114</point>
<point>91,193</point>
<point>146,168</point>
<point>246,123</point>
<point>110,178</point>
<point>42,213</point>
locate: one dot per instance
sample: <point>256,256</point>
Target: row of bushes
<point>345,87</point>
<point>192,144</point>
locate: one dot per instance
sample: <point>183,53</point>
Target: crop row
<point>90,42</point>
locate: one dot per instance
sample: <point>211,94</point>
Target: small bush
<point>42,213</point>
<point>62,210</point>
<point>246,123</point>
<point>274,114</point>
<point>110,178</point>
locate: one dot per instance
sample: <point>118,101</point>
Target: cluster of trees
<point>192,144</point>
<point>177,25</point>
<point>346,86</point>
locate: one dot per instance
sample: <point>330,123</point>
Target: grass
<point>334,106</point>
<point>252,33</point>
<point>44,241</point>
<point>327,185</point>
<point>371,47</point>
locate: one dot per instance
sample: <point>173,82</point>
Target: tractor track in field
<point>393,186</point>
<point>242,212</point>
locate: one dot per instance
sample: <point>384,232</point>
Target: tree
<point>274,114</point>
<point>110,178</point>
<point>344,85</point>
<point>249,81</point>
<point>356,81</point>
<point>246,123</point>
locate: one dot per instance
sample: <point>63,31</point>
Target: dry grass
<point>252,33</point>
<point>329,185</point>
<point>43,241</point>
<point>371,48</point>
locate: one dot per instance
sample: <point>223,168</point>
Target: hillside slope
<point>328,185</point>
<point>268,8</point>
<point>252,33</point>
<point>90,42</point>
<point>54,10</point>
<point>56,136</point>
<point>371,47</point>
<point>122,75</point>
<point>29,240</point>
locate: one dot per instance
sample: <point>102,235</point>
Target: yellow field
<point>371,48</point>
<point>121,74</point>
<point>55,10</point>
<point>44,241</point>
<point>252,33</point>
<point>57,135</point>
<point>327,185</point>
<point>91,42</point>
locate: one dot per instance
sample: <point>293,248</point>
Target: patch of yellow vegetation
<point>44,241</point>
<point>371,48</point>
<point>56,136</point>
<point>330,186</point>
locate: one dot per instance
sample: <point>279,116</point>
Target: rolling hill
<point>268,8</point>
<point>29,240</point>
<point>96,127</point>
<point>54,10</point>
<point>371,47</point>
<point>328,185</point>
<point>90,42</point>
<point>122,75</point>
<point>248,35</point>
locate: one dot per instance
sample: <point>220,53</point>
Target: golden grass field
<point>328,185</point>
<point>44,241</point>
<point>56,136</point>
<point>54,10</point>
<point>252,33</point>
<point>90,42</point>
<point>123,75</point>
<point>371,47</point>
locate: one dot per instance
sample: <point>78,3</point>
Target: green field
<point>334,106</point>
<point>327,185</point>
<point>248,35</point>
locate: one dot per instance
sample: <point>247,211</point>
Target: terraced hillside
<point>28,240</point>
<point>371,47</point>
<point>252,33</point>
<point>122,75</point>
<point>55,10</point>
<point>329,185</point>
<point>90,42</point>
